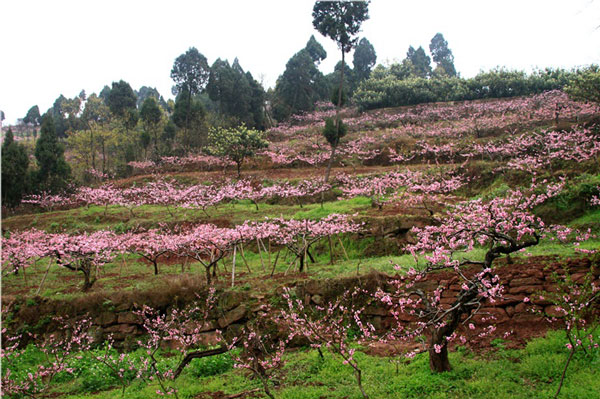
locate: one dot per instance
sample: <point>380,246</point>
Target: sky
<point>58,47</point>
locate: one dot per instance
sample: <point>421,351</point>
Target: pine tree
<point>442,55</point>
<point>53,171</point>
<point>14,171</point>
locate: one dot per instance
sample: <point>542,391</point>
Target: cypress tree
<point>14,171</point>
<point>53,171</point>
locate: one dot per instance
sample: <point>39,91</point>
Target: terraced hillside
<point>454,234</point>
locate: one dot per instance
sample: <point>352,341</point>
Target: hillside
<point>473,213</point>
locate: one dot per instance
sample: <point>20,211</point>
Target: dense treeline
<point>102,133</point>
<point>393,86</point>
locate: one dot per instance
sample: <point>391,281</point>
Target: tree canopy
<point>14,170</point>
<point>442,55</point>
<point>237,94</point>
<point>122,102</point>
<point>340,21</point>
<point>53,171</point>
<point>364,59</point>
<point>420,61</point>
<point>585,85</point>
<point>190,72</point>
<point>316,51</point>
<point>299,87</point>
<point>33,116</point>
<point>235,143</point>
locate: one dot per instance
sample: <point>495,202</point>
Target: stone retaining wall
<point>234,307</point>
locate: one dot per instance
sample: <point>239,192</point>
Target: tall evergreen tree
<point>33,118</point>
<point>420,61</point>
<point>58,112</point>
<point>364,59</point>
<point>144,92</point>
<point>189,115</point>
<point>340,21</point>
<point>104,94</point>
<point>94,116</point>
<point>316,51</point>
<point>257,103</point>
<point>151,116</point>
<point>190,73</point>
<point>53,171</point>
<point>237,95</point>
<point>299,87</point>
<point>122,103</point>
<point>14,171</point>
<point>442,55</point>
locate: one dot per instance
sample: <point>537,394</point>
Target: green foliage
<point>340,21</point>
<point>53,171</point>
<point>33,116</point>
<point>333,131</point>
<point>151,116</point>
<point>150,112</point>
<point>299,87</point>
<point>397,86</point>
<point>334,98</point>
<point>585,85</point>
<point>122,103</point>
<point>146,92</point>
<point>420,61</point>
<point>316,51</point>
<point>95,111</point>
<point>14,171</point>
<point>209,366</point>
<point>235,143</point>
<point>237,94</point>
<point>65,113</point>
<point>189,115</point>
<point>573,201</point>
<point>190,72</point>
<point>333,80</point>
<point>364,59</point>
<point>442,55</point>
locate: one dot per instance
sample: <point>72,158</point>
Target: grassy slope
<point>528,373</point>
<point>532,372</point>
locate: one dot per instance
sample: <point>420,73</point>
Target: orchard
<point>383,231</point>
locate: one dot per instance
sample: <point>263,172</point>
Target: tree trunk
<point>92,151</point>
<point>103,156</point>
<point>208,278</point>
<point>439,362</point>
<point>88,281</point>
<point>187,118</point>
<point>339,105</point>
<point>155,263</point>
<point>328,171</point>
<point>357,374</point>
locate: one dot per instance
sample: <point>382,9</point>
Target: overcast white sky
<point>58,47</point>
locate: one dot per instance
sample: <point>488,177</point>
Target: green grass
<point>589,220</point>
<point>532,372</point>
<point>128,272</point>
<point>119,218</point>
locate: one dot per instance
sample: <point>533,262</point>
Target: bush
<point>386,89</point>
